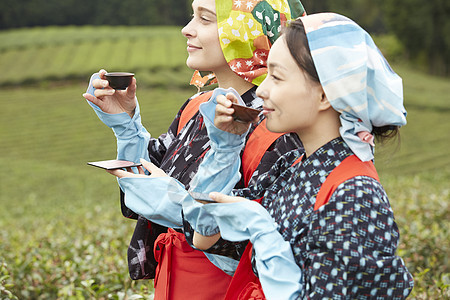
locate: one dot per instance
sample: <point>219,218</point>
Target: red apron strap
<point>244,283</point>
<point>252,291</point>
<point>258,143</point>
<point>163,251</point>
<point>350,167</point>
<point>191,109</point>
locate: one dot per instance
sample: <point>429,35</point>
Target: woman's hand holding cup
<point>224,119</point>
<point>110,100</point>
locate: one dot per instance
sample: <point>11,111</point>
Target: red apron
<point>245,285</point>
<point>185,273</point>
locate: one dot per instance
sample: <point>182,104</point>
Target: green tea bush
<point>421,206</point>
<point>6,283</point>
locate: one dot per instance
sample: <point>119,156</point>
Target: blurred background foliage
<point>423,28</point>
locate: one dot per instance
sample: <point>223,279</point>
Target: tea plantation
<point>62,235</point>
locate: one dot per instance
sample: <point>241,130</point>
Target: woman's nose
<point>261,92</point>
<point>188,30</point>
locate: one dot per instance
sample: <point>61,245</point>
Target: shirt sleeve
<point>278,272</point>
<point>219,171</point>
<point>132,137</point>
<point>352,241</point>
<point>157,199</point>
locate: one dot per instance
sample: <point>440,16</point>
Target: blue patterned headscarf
<point>356,78</point>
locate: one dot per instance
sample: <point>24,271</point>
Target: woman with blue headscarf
<point>324,229</point>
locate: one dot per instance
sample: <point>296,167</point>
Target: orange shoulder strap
<point>257,145</point>
<point>350,167</point>
<point>191,109</point>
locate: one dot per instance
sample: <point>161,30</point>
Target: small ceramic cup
<point>119,80</point>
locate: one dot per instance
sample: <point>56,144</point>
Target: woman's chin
<point>274,126</point>
<point>193,64</point>
<point>190,64</point>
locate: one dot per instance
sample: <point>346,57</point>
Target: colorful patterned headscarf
<point>247,30</point>
<point>358,81</point>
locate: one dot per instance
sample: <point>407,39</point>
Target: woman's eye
<point>204,19</point>
<point>201,18</point>
<point>275,77</point>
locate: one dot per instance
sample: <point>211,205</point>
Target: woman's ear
<point>324,103</point>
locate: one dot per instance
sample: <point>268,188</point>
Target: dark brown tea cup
<point>119,80</point>
<point>244,114</point>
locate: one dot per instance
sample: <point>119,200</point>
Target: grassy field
<point>61,53</point>
<point>62,234</point>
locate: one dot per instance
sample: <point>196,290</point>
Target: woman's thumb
<point>148,165</point>
<point>221,198</point>
<point>154,170</point>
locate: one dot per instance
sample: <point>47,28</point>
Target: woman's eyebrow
<point>277,66</point>
<point>203,9</point>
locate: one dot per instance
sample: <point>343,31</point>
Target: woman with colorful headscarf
<point>228,43</point>
<point>324,228</point>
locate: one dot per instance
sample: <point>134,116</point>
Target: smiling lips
<point>267,110</point>
<point>191,47</point>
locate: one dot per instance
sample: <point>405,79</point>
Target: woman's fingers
<point>102,73</point>
<point>99,93</point>
<point>92,99</point>
<point>123,174</point>
<point>154,170</point>
<point>100,83</point>
<point>131,90</point>
<point>102,87</point>
<point>222,198</point>
<point>224,119</point>
<point>141,170</point>
<point>119,173</point>
<point>232,98</point>
<point>224,101</point>
<point>223,110</point>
